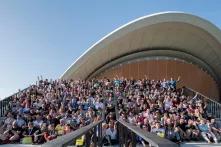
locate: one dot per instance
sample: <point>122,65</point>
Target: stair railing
<point>213,107</point>
<point>127,134</point>
<point>92,132</point>
<point>70,138</point>
<point>5,104</point>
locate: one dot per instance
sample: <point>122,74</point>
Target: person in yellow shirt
<point>80,141</point>
<point>60,127</point>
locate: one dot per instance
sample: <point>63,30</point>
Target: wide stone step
<point>19,145</point>
<point>138,145</point>
<point>200,144</point>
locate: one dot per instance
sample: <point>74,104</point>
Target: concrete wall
<point>191,75</point>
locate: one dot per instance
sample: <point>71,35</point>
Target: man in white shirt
<point>99,104</point>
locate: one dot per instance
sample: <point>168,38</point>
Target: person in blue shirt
<point>74,103</point>
<point>158,130</point>
<point>206,131</point>
<point>172,83</point>
<point>20,121</point>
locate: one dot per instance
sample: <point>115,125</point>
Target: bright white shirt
<point>99,105</point>
<point>9,121</point>
<point>37,123</point>
<point>168,103</point>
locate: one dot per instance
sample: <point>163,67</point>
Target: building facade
<point>162,45</point>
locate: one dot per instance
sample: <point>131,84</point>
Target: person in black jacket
<point>30,130</point>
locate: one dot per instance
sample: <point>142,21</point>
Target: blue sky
<point>44,37</point>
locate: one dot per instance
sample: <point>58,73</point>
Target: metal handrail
<point>5,103</point>
<point>202,95</point>
<point>68,139</point>
<point>16,93</point>
<point>151,138</point>
<point>213,106</point>
<point>126,129</point>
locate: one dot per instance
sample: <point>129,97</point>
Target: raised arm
<point>178,79</point>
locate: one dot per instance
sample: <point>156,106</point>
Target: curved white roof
<point>170,31</point>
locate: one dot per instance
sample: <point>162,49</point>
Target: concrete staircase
<point>189,144</point>
<point>19,145</point>
<point>199,144</point>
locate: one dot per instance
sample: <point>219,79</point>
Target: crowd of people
<point>161,108</point>
<point>53,108</point>
<point>50,109</point>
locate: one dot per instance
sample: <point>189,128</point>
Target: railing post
<point>209,107</point>
<point>100,134</point>
<point>1,108</point>
<point>219,109</point>
<point>216,114</point>
<point>125,136</point>
<point>121,138</point>
<point>213,108</point>
<point>133,139</point>
<point>5,106</point>
<point>95,136</point>
<point>87,139</point>
<point>74,141</point>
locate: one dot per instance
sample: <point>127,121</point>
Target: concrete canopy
<point>183,34</point>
